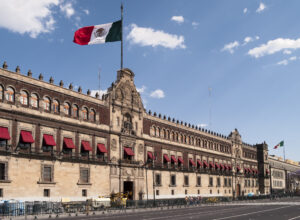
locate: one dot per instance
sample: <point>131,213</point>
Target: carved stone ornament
<point>141,149</point>
<point>113,145</point>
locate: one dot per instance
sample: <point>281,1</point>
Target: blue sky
<point>247,52</point>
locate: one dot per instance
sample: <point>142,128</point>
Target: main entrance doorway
<point>128,188</point>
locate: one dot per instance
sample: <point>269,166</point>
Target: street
<point>287,209</point>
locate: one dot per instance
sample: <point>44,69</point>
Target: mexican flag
<point>281,144</point>
<point>99,34</point>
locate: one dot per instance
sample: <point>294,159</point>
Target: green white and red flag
<point>99,34</point>
<point>281,144</point>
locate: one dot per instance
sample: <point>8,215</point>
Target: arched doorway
<point>238,190</point>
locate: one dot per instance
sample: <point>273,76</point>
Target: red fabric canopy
<point>102,148</point>
<point>49,140</point>
<point>199,162</point>
<point>267,171</point>
<point>166,158</point>
<point>27,137</point>
<point>69,143</point>
<point>128,151</point>
<point>150,155</point>
<point>226,167</point>
<point>192,162</point>
<point>205,163</point>
<point>229,167</point>
<point>86,145</point>
<point>180,159</point>
<point>4,134</point>
<point>222,166</point>
<point>211,164</point>
<point>173,159</point>
<point>217,166</point>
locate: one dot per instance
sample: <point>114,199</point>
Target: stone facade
<point>84,146</point>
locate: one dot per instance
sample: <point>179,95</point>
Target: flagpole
<point>121,36</point>
<point>284,152</point>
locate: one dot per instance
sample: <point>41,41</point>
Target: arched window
<point>1,92</point>
<point>84,113</point>
<point>75,111</point>
<point>158,132</point>
<point>34,101</point>
<point>164,134</point>
<point>10,94</point>
<point>24,98</point>
<point>67,109</point>
<point>92,115</point>
<point>55,106</point>
<point>46,103</point>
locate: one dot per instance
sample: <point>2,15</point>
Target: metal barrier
<point>14,208</point>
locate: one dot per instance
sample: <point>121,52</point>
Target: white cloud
<point>245,10</point>
<point>67,9</point>
<point>178,19</point>
<point>283,62</point>
<point>195,24</point>
<point>141,90</point>
<point>86,11</point>
<point>100,92</point>
<point>202,125</point>
<point>287,52</point>
<point>274,46</point>
<point>293,58</point>
<point>31,17</point>
<point>150,37</point>
<point>231,46</point>
<point>250,39</point>
<point>158,93</point>
<point>261,8</point>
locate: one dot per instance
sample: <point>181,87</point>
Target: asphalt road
<point>266,210</point>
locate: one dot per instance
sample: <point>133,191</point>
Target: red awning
<point>222,166</point>
<point>150,155</point>
<point>205,163</point>
<point>173,159</point>
<point>229,167</point>
<point>199,163</point>
<point>192,162</point>
<point>49,140</point>
<point>86,145</point>
<point>166,158</point>
<point>69,143</point>
<point>27,137</point>
<point>4,134</point>
<point>102,148</point>
<point>226,167</point>
<point>128,151</point>
<point>249,170</point>
<point>217,166</point>
<point>180,159</point>
<point>238,168</point>
<point>267,170</point>
<point>211,164</point>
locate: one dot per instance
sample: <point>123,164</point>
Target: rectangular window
<point>84,175</point>
<point>186,192</point>
<point>157,179</point>
<point>173,180</point>
<point>2,171</point>
<point>3,143</point>
<point>211,182</point>
<point>47,173</point>
<point>172,192</point>
<point>1,192</point>
<point>84,193</point>
<point>186,180</point>
<point>225,182</point>
<point>245,183</point>
<point>198,181</point>
<point>157,192</point>
<point>229,182</point>
<point>46,192</point>
<point>218,182</point>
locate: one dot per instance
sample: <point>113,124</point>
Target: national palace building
<point>59,143</point>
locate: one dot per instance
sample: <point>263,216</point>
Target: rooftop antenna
<point>209,97</point>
